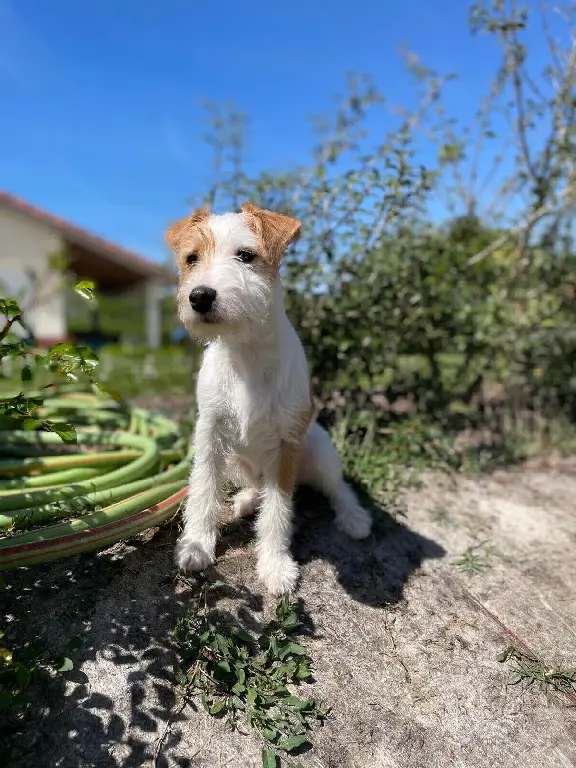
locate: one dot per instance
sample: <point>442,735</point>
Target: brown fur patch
<point>290,452</point>
<point>191,235</point>
<point>274,230</point>
<point>288,467</point>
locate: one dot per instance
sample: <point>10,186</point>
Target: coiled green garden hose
<point>126,473</point>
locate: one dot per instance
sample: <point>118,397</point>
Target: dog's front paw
<point>356,523</point>
<point>193,555</point>
<point>279,573</point>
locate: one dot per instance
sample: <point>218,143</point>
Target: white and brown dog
<point>254,425</point>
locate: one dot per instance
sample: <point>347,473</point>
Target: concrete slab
<point>403,640</point>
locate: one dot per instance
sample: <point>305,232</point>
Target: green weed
<point>528,671</point>
<point>19,667</point>
<point>240,676</point>
<point>475,560</point>
<point>22,671</point>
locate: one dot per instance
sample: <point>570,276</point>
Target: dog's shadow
<point>124,603</point>
<point>373,571</point>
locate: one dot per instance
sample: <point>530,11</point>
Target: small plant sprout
<point>475,560</point>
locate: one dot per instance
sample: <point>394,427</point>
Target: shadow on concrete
<point>123,604</point>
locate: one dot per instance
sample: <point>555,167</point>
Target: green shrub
<point>384,297</point>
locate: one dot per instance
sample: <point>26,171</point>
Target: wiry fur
<point>253,396</point>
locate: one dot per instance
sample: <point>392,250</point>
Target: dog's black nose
<point>202,298</point>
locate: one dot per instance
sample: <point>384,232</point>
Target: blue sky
<point>101,119</point>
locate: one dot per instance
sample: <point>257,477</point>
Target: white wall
<point>26,246</point>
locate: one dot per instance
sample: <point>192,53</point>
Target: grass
<point>241,677</point>
<point>475,560</point>
<point>137,371</point>
<point>149,372</point>
<point>528,672</point>
<point>386,466</point>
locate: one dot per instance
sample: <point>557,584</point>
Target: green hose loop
<point>126,473</point>
<point>145,463</point>
<point>36,515</point>
<point>127,524</point>
<point>53,463</point>
<point>48,480</point>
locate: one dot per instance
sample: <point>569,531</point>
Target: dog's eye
<point>191,259</point>
<point>245,256</point>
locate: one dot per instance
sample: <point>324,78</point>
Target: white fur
<point>252,388</point>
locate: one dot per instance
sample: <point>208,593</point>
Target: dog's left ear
<point>276,230</point>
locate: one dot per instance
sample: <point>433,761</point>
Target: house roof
<point>87,240</point>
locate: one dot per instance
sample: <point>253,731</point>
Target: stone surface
<point>403,640</point>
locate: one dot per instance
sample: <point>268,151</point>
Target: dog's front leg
<point>196,546</point>
<point>276,567</point>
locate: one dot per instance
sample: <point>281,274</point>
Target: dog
<point>255,423</point>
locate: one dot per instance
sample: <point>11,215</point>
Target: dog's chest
<point>252,409</point>
<point>256,402</point>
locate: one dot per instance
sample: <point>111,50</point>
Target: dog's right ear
<point>175,231</point>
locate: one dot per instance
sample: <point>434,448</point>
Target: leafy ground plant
<point>240,676</point>
<point>475,560</point>
<point>17,669</point>
<point>528,671</point>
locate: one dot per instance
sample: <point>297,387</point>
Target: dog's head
<point>228,267</point>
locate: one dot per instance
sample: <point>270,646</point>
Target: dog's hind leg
<point>246,502</point>
<point>321,469</point>
<point>241,472</point>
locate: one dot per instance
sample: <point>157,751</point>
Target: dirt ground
<point>403,640</point>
